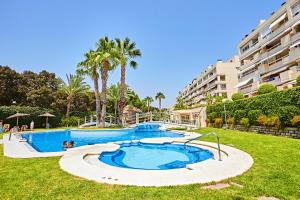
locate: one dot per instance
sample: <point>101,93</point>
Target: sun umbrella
<point>47,115</point>
<point>17,115</point>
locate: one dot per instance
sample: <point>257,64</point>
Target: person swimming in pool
<point>65,145</point>
<point>71,144</point>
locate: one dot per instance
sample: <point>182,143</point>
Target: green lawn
<point>276,172</point>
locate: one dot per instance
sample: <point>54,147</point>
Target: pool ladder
<point>210,133</point>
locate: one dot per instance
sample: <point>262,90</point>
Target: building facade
<point>219,79</point>
<point>271,52</point>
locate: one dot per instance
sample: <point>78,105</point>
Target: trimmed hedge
<point>39,122</point>
<point>285,104</point>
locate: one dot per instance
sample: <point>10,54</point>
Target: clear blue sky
<point>178,38</point>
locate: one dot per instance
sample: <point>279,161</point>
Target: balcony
<point>274,81</point>
<point>275,50</point>
<point>250,51</point>
<point>274,34</point>
<point>248,90</point>
<point>249,76</point>
<point>249,63</point>
<point>295,38</point>
<point>294,54</point>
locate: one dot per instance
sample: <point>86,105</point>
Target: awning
<point>240,84</point>
<point>278,20</point>
<point>295,44</point>
<point>275,71</point>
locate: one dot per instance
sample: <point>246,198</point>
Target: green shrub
<point>253,116</point>
<point>298,80</point>
<point>266,88</point>
<point>245,122</point>
<point>296,121</point>
<point>273,121</point>
<point>230,120</point>
<point>237,96</point>
<point>239,114</point>
<point>70,121</point>
<point>33,112</point>
<point>218,122</point>
<point>286,114</point>
<point>269,104</point>
<point>212,116</point>
<point>262,120</point>
<point>81,114</point>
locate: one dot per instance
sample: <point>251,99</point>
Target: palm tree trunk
<point>116,107</point>
<point>122,92</point>
<point>104,76</point>
<point>98,105</point>
<point>159,101</point>
<point>69,100</point>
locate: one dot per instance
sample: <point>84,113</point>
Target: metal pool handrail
<point>206,134</point>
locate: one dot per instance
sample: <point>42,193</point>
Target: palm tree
<point>114,96</point>
<point>159,96</point>
<point>74,86</point>
<point>106,55</point>
<point>89,66</point>
<point>126,51</point>
<point>148,101</point>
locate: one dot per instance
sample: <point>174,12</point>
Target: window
<point>296,9</point>
<point>265,32</point>
<point>223,86</point>
<point>222,78</point>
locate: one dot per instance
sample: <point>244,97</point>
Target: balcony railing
<point>295,38</point>
<point>249,63</point>
<point>251,50</point>
<point>274,50</point>
<point>248,90</point>
<point>252,75</point>
<point>275,33</point>
<point>275,81</point>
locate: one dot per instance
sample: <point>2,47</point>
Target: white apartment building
<point>219,79</point>
<point>271,52</point>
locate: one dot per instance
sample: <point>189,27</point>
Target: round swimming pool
<point>154,156</point>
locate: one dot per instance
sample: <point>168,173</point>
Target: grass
<point>276,172</point>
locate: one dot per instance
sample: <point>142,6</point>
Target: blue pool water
<point>52,141</point>
<point>154,156</point>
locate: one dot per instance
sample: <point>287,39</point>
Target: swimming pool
<point>154,156</point>
<point>52,141</point>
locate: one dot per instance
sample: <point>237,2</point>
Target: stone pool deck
<point>86,164</point>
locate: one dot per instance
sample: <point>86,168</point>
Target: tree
<point>9,81</point>
<point>75,85</point>
<point>219,99</point>
<point>126,52</point>
<point>159,96</point>
<point>114,97</point>
<point>266,88</point>
<point>148,101</point>
<point>89,66</point>
<point>298,80</point>
<point>179,104</point>
<point>106,55</point>
<point>237,96</point>
<point>209,99</point>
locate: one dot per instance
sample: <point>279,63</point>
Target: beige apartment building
<point>219,79</point>
<point>271,52</point>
